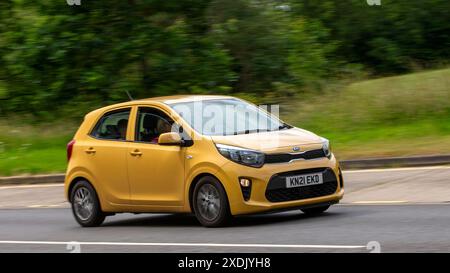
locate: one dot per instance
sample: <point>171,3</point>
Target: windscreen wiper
<point>251,131</point>
<point>284,126</point>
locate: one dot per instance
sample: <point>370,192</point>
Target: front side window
<point>112,126</point>
<point>151,123</point>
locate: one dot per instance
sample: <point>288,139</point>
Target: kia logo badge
<point>296,149</point>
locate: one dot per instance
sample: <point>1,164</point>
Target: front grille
<point>277,192</point>
<point>280,158</point>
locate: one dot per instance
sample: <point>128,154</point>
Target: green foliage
<point>56,58</point>
<point>254,37</point>
<point>308,60</point>
<point>55,54</point>
<point>388,38</point>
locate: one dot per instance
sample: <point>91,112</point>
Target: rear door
<point>104,154</point>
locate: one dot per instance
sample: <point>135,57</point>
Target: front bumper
<point>258,201</point>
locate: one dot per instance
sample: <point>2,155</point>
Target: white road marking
<point>32,186</point>
<point>447,203</point>
<point>182,244</point>
<point>45,206</point>
<point>397,169</point>
<point>36,206</point>
<point>381,202</point>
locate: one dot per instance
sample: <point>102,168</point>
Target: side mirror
<point>171,138</point>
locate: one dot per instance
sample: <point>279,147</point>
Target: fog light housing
<point>341,179</point>
<point>246,187</point>
<point>245,182</point>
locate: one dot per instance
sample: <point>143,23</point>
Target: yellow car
<point>214,156</point>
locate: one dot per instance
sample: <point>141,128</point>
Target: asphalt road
<point>402,210</point>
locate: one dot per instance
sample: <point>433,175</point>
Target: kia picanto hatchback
<point>214,156</point>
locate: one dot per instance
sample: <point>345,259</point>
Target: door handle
<point>136,153</point>
<point>90,150</point>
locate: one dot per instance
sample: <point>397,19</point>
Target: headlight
<point>326,147</point>
<point>241,156</point>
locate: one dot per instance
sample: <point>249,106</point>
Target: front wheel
<point>210,203</point>
<point>315,210</point>
<point>85,205</point>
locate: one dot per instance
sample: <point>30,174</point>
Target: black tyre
<point>210,203</point>
<point>85,205</point>
<point>315,210</point>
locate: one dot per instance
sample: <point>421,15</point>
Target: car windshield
<point>227,117</point>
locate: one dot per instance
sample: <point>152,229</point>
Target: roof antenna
<point>129,95</point>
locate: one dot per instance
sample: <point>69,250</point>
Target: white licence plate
<point>304,180</point>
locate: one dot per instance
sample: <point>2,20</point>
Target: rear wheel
<point>85,205</point>
<point>210,203</point>
<point>315,210</point>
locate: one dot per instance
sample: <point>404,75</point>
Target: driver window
<point>151,123</point>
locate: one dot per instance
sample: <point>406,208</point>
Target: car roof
<point>164,100</point>
<point>185,98</point>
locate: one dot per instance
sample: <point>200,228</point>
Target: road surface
<point>401,210</point>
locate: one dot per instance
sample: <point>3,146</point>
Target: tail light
<point>70,149</point>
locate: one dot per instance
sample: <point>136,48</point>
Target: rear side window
<point>112,125</point>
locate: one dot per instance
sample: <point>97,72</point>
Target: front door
<point>155,172</point>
